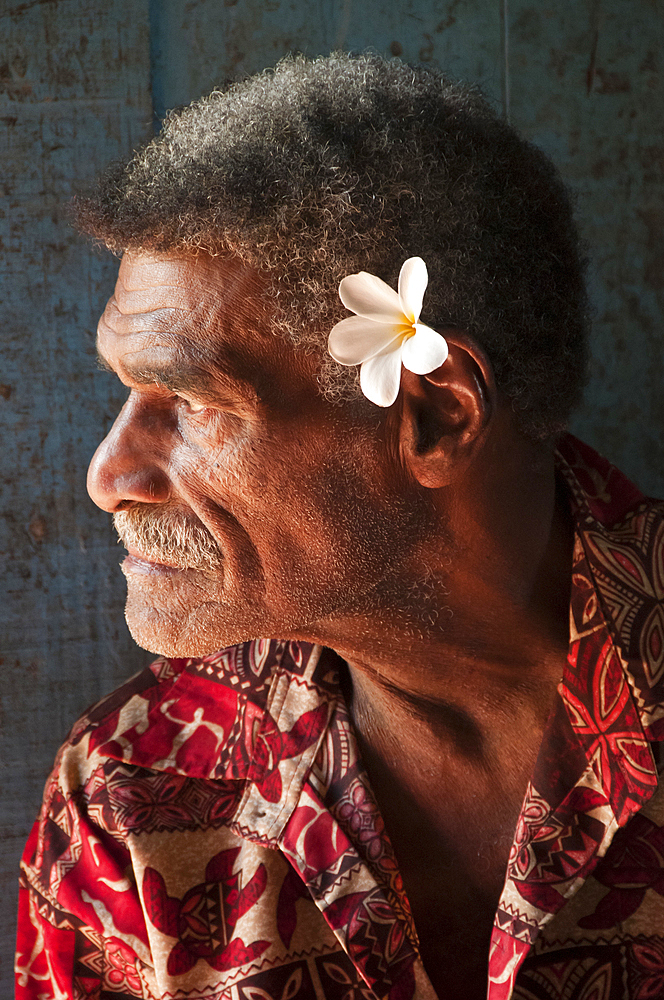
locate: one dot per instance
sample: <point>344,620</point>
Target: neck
<point>484,607</point>
<point>453,668</point>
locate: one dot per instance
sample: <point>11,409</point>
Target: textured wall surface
<point>202,43</point>
<point>80,81</point>
<point>74,93</point>
<point>587,85</point>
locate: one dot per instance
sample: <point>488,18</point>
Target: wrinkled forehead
<point>213,311</point>
<point>148,284</point>
<point>209,308</point>
<point>213,304</point>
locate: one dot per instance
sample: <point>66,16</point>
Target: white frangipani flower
<point>385,331</point>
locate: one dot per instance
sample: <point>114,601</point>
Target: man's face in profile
<point>249,505</point>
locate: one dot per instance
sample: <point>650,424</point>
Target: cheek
<point>297,507</point>
<point>217,461</point>
<point>335,521</point>
<point>240,469</point>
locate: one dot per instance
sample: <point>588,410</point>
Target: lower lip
<point>134,564</point>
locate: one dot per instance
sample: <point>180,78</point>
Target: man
<point>405,765</point>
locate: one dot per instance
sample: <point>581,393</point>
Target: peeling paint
<point>37,528</point>
<point>73,95</point>
<point>605,82</point>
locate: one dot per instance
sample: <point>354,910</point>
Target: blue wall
<point>80,84</point>
<point>74,93</point>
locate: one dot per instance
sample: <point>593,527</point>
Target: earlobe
<point>445,415</point>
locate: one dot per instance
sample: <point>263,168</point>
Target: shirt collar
<point>595,768</point>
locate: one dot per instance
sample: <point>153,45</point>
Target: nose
<point>126,467</point>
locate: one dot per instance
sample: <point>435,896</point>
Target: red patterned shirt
<point>209,830</point>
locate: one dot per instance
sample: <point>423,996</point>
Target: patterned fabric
<point>209,830</point>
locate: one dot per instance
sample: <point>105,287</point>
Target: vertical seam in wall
<point>505,47</point>
<point>344,22</point>
<point>156,65</point>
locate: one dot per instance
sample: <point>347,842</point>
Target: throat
<point>450,782</point>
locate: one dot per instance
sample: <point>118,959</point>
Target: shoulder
<point>178,715</point>
<point>619,530</point>
<point>176,746</point>
<point>177,722</point>
<point>601,491</point>
<point>194,718</point>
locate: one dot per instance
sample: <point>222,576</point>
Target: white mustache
<point>163,534</point>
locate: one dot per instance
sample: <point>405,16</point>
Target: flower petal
<point>425,351</point>
<point>413,281</point>
<point>371,297</point>
<point>380,377</point>
<point>357,339</point>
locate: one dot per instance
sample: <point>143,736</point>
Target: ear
<point>445,415</point>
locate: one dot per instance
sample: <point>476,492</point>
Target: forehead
<point>147,283</point>
<point>211,310</point>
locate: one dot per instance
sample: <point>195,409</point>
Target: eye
<point>191,405</point>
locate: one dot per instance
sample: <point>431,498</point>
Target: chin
<point>194,634</point>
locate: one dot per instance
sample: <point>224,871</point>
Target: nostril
<point>123,472</point>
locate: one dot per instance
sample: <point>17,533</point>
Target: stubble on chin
<point>201,599</point>
<point>187,614</point>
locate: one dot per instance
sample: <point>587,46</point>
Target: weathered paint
<point>200,44</point>
<point>587,85</point>
<point>74,93</point>
<point>581,79</point>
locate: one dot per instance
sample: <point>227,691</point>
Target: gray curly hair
<point>321,168</point>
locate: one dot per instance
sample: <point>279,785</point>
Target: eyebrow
<point>176,376</point>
